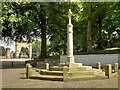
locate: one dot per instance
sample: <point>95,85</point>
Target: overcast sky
<point>11,46</point>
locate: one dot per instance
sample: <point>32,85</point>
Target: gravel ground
<point>11,78</point>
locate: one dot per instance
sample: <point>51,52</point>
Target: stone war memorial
<point>70,70</point>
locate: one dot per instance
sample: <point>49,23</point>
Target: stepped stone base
<point>75,71</point>
<point>73,65</point>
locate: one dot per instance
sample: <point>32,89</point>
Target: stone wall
<point>93,59</point>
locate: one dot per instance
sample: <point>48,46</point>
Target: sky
<point>11,46</point>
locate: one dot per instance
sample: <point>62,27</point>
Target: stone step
<point>81,77</point>
<point>74,65</point>
<point>92,77</point>
<point>47,77</point>
<point>97,70</point>
<point>84,68</point>
<point>47,72</point>
<point>60,78</point>
<point>62,65</point>
<point>100,74</point>
<point>60,73</point>
<point>56,68</point>
<point>81,73</point>
<point>70,77</point>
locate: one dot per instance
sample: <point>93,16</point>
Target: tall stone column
<point>30,50</point>
<point>16,50</point>
<point>70,57</point>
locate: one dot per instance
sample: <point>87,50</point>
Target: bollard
<point>28,70</point>
<point>116,67</point>
<point>47,66</point>
<point>108,70</point>
<point>65,73</point>
<point>98,65</point>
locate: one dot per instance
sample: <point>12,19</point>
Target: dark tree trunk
<point>89,31</point>
<point>43,34</point>
<point>43,46</point>
<point>100,41</point>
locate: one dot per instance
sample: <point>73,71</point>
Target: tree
<point>58,25</point>
<point>23,18</point>
<point>24,51</point>
<point>16,20</point>
<point>43,31</point>
<point>89,31</point>
<point>48,21</point>
<point>105,23</point>
<point>3,51</point>
<point>39,11</point>
<point>36,48</point>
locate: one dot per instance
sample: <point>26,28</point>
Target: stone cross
<point>70,57</point>
<point>70,15</point>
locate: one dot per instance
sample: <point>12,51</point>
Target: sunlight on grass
<point>115,48</point>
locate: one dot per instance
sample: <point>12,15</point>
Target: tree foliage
<point>24,51</point>
<point>36,48</point>
<point>3,51</point>
<point>48,21</point>
<point>16,20</point>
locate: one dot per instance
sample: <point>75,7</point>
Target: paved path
<point>11,78</point>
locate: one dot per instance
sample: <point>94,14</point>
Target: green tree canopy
<point>36,48</point>
<point>24,51</point>
<point>3,51</point>
<point>48,21</point>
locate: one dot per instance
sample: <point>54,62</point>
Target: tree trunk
<point>43,34</point>
<point>100,41</point>
<point>89,31</point>
<point>43,46</point>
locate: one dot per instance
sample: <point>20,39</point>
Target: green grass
<point>115,48</point>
